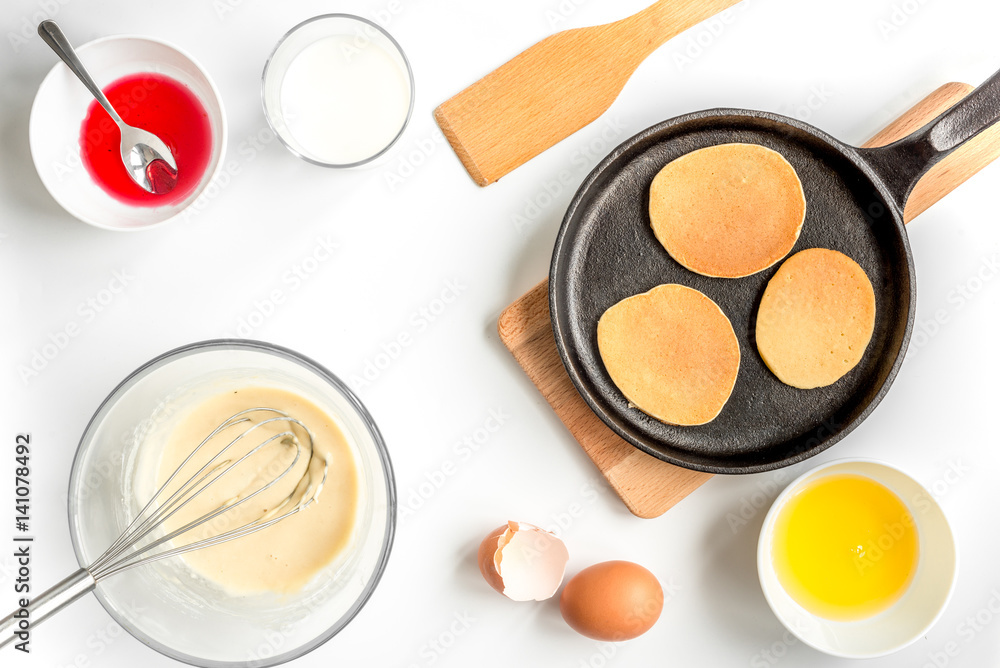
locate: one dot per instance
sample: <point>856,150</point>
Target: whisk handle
<point>46,604</point>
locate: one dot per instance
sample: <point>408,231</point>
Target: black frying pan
<point>606,252</point>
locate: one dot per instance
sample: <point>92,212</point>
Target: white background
<point>859,62</point>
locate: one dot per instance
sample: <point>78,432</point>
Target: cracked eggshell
<point>523,562</point>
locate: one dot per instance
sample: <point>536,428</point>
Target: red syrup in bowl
<point>159,105</point>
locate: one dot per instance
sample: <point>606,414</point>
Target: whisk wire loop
<point>127,552</point>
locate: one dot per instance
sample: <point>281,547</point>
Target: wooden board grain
<point>648,486</point>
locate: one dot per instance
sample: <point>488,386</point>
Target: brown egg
<point>612,601</point>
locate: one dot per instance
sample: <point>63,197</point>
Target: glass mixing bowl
<point>165,604</point>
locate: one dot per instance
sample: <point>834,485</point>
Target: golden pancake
<point>727,211</point>
<point>816,318</point>
<point>672,352</point>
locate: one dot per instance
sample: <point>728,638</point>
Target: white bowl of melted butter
<point>262,599</point>
<point>857,559</point>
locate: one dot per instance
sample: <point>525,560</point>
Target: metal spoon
<point>140,149</point>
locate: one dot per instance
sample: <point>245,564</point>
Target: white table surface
<point>403,242</point>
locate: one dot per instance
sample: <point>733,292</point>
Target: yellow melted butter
<point>845,547</point>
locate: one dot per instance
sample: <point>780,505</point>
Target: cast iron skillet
<point>606,252</point>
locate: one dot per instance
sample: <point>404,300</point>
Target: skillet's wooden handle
<point>955,169</point>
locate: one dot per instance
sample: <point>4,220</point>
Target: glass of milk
<point>338,91</point>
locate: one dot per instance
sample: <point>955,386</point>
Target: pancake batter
<point>286,556</point>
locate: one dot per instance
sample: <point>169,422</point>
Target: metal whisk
<point>139,544</point>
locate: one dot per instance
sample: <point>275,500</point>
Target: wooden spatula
<point>557,87</point>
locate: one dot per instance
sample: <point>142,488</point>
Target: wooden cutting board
<point>648,486</point>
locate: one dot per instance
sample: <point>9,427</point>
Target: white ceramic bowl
<point>910,617</point>
<point>165,604</point>
<point>60,108</point>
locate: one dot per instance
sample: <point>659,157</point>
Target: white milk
<point>344,103</point>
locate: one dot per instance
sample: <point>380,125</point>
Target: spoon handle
<point>53,35</point>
